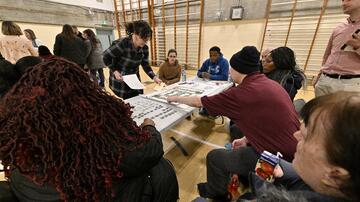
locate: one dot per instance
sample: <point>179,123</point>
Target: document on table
<point>159,87</point>
<point>133,81</point>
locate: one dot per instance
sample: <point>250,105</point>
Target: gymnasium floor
<point>198,136</point>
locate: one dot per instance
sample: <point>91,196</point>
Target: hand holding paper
<point>118,75</point>
<point>133,81</point>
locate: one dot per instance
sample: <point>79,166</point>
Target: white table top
<point>164,114</point>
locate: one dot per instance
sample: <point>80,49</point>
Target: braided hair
<point>58,127</point>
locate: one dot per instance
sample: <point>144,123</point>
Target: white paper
<point>159,87</point>
<point>133,81</point>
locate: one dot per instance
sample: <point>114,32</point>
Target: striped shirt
<point>125,58</point>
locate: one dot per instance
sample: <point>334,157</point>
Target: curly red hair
<point>59,127</point>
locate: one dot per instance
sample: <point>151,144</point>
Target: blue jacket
<point>218,70</point>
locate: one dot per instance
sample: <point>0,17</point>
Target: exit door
<point>105,37</point>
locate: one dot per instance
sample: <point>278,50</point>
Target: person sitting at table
<point>326,164</point>
<point>256,98</point>
<point>63,138</point>
<point>216,67</point>
<point>170,70</point>
<point>280,65</point>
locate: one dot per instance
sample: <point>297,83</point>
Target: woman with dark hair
<point>71,47</point>
<point>64,138</point>
<point>170,70</point>
<point>326,165</point>
<point>280,65</point>
<point>95,61</point>
<point>32,37</point>
<point>126,54</point>
<point>44,53</point>
<point>13,46</point>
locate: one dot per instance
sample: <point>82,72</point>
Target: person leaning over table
<point>125,55</point>
<point>262,110</point>
<point>62,138</point>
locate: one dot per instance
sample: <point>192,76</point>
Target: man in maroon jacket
<point>260,108</point>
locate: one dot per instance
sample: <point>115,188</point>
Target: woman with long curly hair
<point>63,138</point>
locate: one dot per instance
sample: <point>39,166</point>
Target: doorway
<point>106,36</point>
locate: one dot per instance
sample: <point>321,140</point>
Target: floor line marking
<point>197,139</point>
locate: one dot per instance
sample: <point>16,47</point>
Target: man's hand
<point>239,143</point>
<point>118,75</point>
<point>147,122</point>
<point>316,79</point>
<point>354,41</point>
<point>157,80</point>
<point>205,75</point>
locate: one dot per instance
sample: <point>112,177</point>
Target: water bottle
<point>183,73</point>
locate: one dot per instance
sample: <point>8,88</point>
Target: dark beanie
<point>246,61</point>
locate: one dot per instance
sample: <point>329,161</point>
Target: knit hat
<point>246,61</point>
